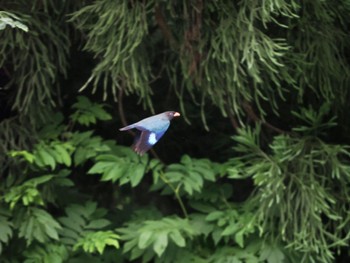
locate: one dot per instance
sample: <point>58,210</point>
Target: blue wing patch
<point>146,140</point>
<point>152,139</point>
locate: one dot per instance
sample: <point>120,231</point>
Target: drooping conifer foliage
<point>257,169</point>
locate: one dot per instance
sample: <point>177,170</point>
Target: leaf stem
<point>176,192</point>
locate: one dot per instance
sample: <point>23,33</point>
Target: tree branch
<point>121,111</point>
<point>164,27</point>
<point>250,112</point>
<point>233,120</point>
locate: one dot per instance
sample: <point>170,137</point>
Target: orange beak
<point>176,114</point>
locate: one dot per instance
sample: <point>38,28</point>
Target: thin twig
<point>233,120</point>
<point>176,192</point>
<point>249,110</point>
<point>230,114</point>
<point>164,27</point>
<point>121,111</point>
<point>155,155</point>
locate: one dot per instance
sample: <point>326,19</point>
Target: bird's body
<point>151,130</point>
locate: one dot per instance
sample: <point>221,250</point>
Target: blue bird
<point>150,130</point>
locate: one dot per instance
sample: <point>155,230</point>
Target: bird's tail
<point>129,127</point>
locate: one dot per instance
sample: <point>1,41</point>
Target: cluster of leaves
<point>38,207</point>
<point>302,183</point>
<point>30,67</point>
<point>82,228</point>
<point>34,63</point>
<point>115,33</point>
<point>9,19</point>
<point>300,173</point>
<point>69,195</point>
<point>45,181</point>
<point>239,51</point>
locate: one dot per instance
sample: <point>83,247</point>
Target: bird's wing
<point>146,140</point>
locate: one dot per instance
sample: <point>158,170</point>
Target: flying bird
<point>150,130</point>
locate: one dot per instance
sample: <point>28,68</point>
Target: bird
<point>150,130</point>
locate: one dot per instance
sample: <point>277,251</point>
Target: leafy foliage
<point>87,113</point>
<point>301,174</point>
<point>153,237</point>
<point>97,241</point>
<point>188,176</point>
<point>32,60</point>
<point>81,228</point>
<point>6,229</point>
<point>121,164</point>
<point>9,19</point>
<point>36,224</point>
<point>47,253</point>
<point>27,192</point>
<point>87,146</point>
<point>232,224</point>
<point>273,74</point>
<point>117,45</point>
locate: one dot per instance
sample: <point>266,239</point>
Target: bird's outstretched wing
<point>146,140</point>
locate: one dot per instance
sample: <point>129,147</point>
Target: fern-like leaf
<point>97,241</point>
<point>88,112</point>
<point>36,224</point>
<point>156,235</point>
<point>81,224</point>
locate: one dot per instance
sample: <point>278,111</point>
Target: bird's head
<point>171,114</point>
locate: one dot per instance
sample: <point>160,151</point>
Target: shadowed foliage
<point>257,169</point>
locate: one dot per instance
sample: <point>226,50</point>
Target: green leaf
<point>239,238</point>
<point>53,253</point>
<point>99,167</point>
<point>272,254</point>
<point>64,154</point>
<point>12,20</point>
<point>5,229</point>
<point>230,229</point>
<point>27,192</point>
<point>36,224</point>
<point>51,232</point>
<point>138,173</point>
<point>190,174</point>
<point>120,165</point>
<point>177,238</point>
<point>43,157</point>
<point>143,235</point>
<point>88,112</point>
<point>145,239</point>
<point>97,241</point>
<point>98,223</point>
<point>26,155</point>
<point>160,244</point>
<point>82,227</point>
<point>214,216</point>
